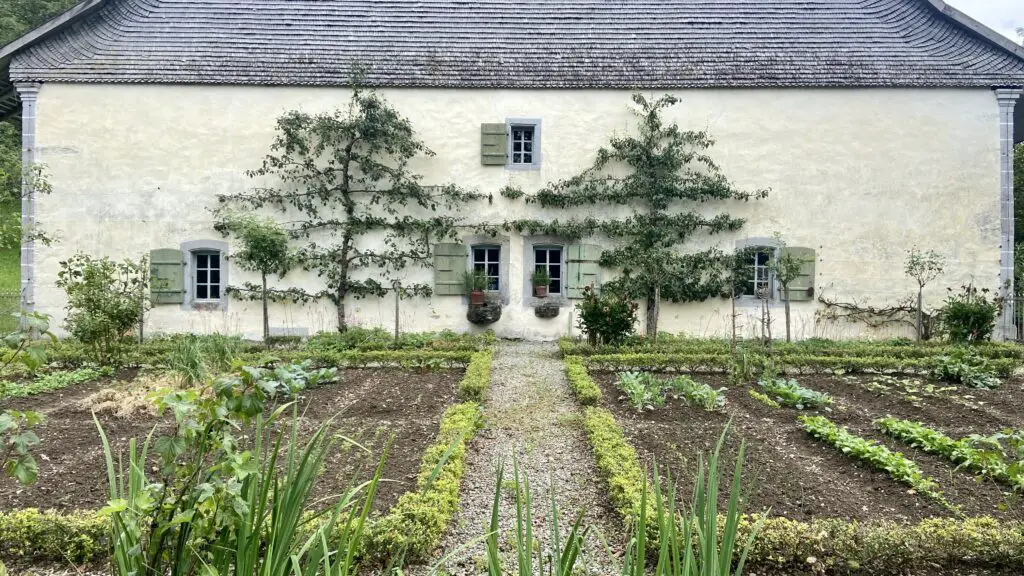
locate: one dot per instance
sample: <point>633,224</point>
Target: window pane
<point>517,158</point>
<point>201,292</point>
<point>555,270</point>
<point>528,147</point>
<point>201,276</point>
<point>492,283</point>
<point>214,292</point>
<point>214,260</point>
<point>556,254</point>
<point>556,285</point>
<point>215,276</point>
<point>541,256</point>
<point>528,134</point>
<point>761,258</point>
<point>478,267</point>
<point>492,254</point>
<point>527,158</point>
<point>202,260</point>
<point>517,146</point>
<point>478,254</point>
<point>492,269</point>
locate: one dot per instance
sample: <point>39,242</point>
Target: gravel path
<point>530,415</point>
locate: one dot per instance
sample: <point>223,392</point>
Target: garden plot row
<point>812,488</point>
<point>401,409</point>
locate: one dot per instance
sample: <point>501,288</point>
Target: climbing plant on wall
<point>349,200</point>
<point>655,181</point>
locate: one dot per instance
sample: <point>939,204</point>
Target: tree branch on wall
<point>903,313</point>
<point>348,197</point>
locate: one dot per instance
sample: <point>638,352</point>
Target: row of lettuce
<point>824,545</point>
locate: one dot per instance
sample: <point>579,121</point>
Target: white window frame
<point>547,266</point>
<point>513,124</point>
<point>487,248</point>
<point>193,249</point>
<point>209,284</point>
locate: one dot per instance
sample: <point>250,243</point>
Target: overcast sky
<point>1004,16</point>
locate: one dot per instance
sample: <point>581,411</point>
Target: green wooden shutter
<point>167,276</point>
<point>801,289</point>
<point>449,267</point>
<point>493,145</point>
<point>582,269</point>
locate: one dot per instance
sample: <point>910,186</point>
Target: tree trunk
<point>920,298</point>
<point>732,343</point>
<point>653,308</point>
<point>266,313</point>
<point>785,294</point>
<point>342,326</point>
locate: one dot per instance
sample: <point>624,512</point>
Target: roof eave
<point>978,28</point>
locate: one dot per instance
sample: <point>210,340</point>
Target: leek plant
<point>698,541</point>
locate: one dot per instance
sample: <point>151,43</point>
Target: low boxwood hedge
<point>587,392</point>
<point>477,378</point>
<point>78,536</point>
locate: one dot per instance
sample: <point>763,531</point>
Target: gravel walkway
<point>530,415</point>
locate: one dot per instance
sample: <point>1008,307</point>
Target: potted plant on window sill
<point>540,280</point>
<point>476,283</point>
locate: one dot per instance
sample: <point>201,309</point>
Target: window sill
<point>522,167</point>
<point>557,299</point>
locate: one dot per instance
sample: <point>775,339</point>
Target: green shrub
<point>105,302</point>
<point>477,377</point>
<point>899,467</point>
<point>788,392</point>
<point>605,318</point>
<point>964,366</point>
<point>618,464</point>
<point>79,536</point>
<point>587,392</point>
<point>375,339</point>
<point>414,525</point>
<point>969,316</point>
<point>195,358</point>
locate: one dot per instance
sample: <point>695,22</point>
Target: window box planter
<point>484,313</point>
<point>546,310</point>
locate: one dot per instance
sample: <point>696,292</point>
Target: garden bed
<point>369,405</point>
<point>802,478</point>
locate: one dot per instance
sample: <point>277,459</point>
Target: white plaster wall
<point>859,175</point>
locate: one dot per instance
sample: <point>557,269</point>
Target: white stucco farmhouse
<point>877,125</point>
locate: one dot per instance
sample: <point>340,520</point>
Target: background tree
<point>360,212</point>
<point>923,267</point>
<point>662,175</point>
<point>786,267</point>
<point>264,250</point>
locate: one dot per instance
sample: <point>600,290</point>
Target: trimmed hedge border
<point>990,350</point>
<point>800,364</point>
<point>78,536</point>
<point>415,524</point>
<point>477,377</point>
<point>587,392</point>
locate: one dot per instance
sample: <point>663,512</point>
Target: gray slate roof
<point>522,43</point>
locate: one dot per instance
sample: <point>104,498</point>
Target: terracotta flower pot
<point>540,291</point>
<point>476,297</point>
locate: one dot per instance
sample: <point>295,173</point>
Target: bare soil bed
<point>802,478</point>
<point>367,405</point>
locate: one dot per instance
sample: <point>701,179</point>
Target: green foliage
<point>367,339</point>
<point>474,280</point>
<point>106,301</point>
<point>20,16</point>
<point>619,465</point>
<point>79,536</point>
<point>540,278</point>
<point>964,366</point>
<point>194,358</point>
<point>788,392</point>
<point>969,316</point>
<point>695,393</point>
<point>559,559</point>
<point>587,392</point>
<point>16,442</point>
<point>697,541</point>
<point>999,456</point>
<point>360,213</point>
<point>642,390</point>
<point>10,159</point>
<point>52,381</point>
<point>264,250</point>
<point>511,192</point>
<point>665,177</point>
<point>27,342</point>
<point>1018,190</point>
<point>607,317</point>
<point>763,398</point>
<point>477,378</point>
<point>899,467</point>
<point>923,266</point>
<point>413,527</point>
<point>222,500</point>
